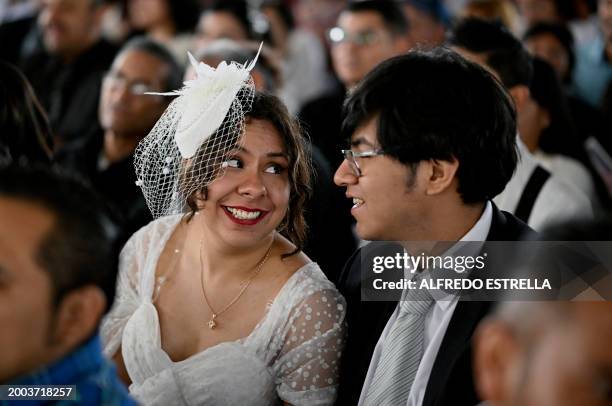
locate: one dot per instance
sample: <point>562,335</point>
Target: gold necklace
<point>212,323</point>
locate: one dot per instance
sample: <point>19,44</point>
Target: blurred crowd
<point>81,84</point>
<point>76,73</point>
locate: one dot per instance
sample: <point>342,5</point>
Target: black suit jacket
<point>450,382</point>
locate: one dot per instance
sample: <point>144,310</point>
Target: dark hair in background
<point>25,133</point>
<point>174,79</point>
<point>229,50</point>
<point>503,51</point>
<point>185,14</point>
<point>239,9</point>
<point>269,108</point>
<point>560,137</point>
<point>561,34</point>
<point>566,9</point>
<point>283,11</point>
<point>438,105</point>
<point>389,10</point>
<point>82,246</point>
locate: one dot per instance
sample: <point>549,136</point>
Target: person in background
<point>553,43</point>
<point>168,22</point>
<point>58,269</point>
<point>231,19</point>
<point>303,58</point>
<point>367,33</point>
<point>548,131</point>
<point>428,21</point>
<point>594,60</point>
<point>502,10</point>
<point>127,115</point>
<point>550,353</point>
<point>66,75</point>
<point>533,194</point>
<point>25,134</point>
<point>545,354</point>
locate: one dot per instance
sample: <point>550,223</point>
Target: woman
<point>219,305</point>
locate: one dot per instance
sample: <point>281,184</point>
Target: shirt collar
<point>88,357</point>
<point>478,233</point>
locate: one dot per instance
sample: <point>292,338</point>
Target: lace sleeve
<point>307,368</point>
<point>126,298</point>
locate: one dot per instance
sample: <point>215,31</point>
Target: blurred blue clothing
<point>593,72</point>
<point>95,378</point>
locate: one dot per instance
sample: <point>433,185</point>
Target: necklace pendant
<point>212,323</point>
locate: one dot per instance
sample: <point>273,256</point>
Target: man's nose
<point>344,175</point>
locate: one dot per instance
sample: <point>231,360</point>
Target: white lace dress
<point>292,354</point>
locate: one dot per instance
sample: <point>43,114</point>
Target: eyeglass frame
<point>350,155</point>
<point>115,81</point>
<point>375,35</point>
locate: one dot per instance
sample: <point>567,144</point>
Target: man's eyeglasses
<point>350,156</point>
<point>337,35</point>
<point>136,88</point>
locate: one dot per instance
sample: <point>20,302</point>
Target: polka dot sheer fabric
<point>186,149</point>
<point>293,353</point>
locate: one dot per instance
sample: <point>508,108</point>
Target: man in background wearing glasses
<point>126,115</point>
<point>367,33</point>
<point>431,143</point>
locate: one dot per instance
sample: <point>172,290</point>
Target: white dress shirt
<point>436,321</point>
<point>557,201</point>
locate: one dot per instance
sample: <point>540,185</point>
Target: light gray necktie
<point>402,351</point>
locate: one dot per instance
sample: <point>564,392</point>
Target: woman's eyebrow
<point>277,154</point>
<point>280,154</point>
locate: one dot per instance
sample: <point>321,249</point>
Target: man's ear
<point>78,316</point>
<point>520,94</point>
<point>496,354</point>
<point>440,175</point>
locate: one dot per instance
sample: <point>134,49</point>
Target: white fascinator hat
<point>186,148</point>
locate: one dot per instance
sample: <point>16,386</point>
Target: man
<point>367,33</point>
<point>66,74</point>
<point>594,60</point>
<point>553,353</point>
<point>127,115</point>
<point>432,142</point>
<point>58,266</point>
<point>545,354</point>
<point>533,194</point>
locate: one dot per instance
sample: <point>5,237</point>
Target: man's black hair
<point>563,35</point>
<point>390,11</point>
<point>81,248</point>
<point>438,105</point>
<point>504,53</point>
<point>174,79</point>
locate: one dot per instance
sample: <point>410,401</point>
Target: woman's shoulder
<point>151,238</point>
<point>308,283</point>
<point>156,228</point>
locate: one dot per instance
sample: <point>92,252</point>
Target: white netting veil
<point>186,149</point>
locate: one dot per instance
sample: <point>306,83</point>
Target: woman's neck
<point>218,261</point>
